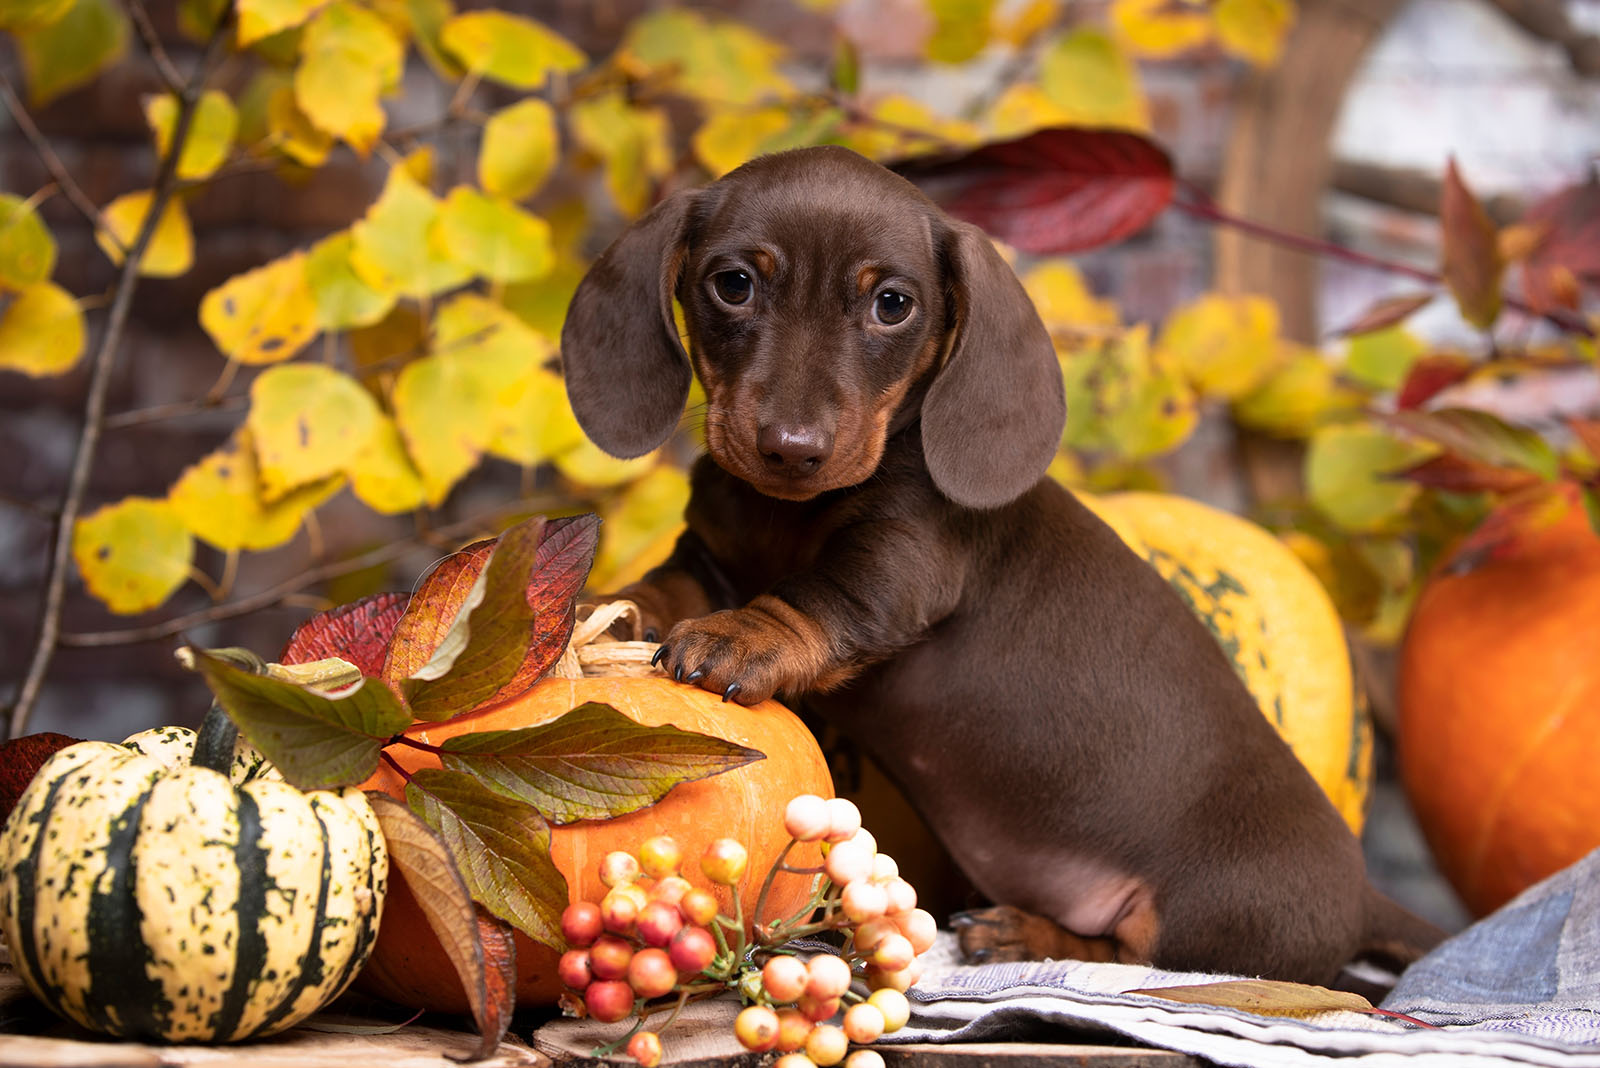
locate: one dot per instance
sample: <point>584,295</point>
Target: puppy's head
<point>828,304</point>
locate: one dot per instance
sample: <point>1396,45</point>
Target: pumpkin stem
<point>213,746</point>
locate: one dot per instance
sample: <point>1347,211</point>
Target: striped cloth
<point>1519,987</point>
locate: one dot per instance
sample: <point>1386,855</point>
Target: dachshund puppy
<point>872,532</point>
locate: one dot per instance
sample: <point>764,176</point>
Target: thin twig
<point>101,367</point>
<point>243,606</point>
<point>152,44</point>
<point>1202,207</point>
<point>47,155</point>
<point>177,409</point>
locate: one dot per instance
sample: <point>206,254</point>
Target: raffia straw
<point>593,653</point>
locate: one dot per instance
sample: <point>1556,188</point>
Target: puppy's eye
<point>891,307</point>
<point>732,287</point>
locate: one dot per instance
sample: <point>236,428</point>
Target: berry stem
<point>412,743</point>
<point>394,765</point>
<point>766,884</point>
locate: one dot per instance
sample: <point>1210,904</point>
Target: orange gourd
<point>1499,696</point>
<point>407,964</point>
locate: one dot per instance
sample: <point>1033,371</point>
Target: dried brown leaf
<point>1265,997</point>
<point>1470,251</point>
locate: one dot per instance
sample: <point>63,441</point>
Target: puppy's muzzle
<point>793,451</point>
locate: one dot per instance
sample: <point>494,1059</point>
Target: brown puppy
<point>872,532</point>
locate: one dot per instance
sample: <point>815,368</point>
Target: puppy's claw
<point>979,956</point>
<point>661,654</point>
<point>730,692</point>
<point>962,920</point>
<point>697,673</point>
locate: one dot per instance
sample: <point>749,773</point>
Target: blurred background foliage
<point>395,357</point>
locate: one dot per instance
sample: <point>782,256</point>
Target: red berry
<point>645,1047</point>
<point>692,949</point>
<point>863,900</point>
<point>863,1022</point>
<point>827,1045</point>
<point>817,1009</point>
<point>609,1000</point>
<point>660,856</point>
<point>756,1028</point>
<point>848,861</point>
<point>651,973</point>
<point>894,1006</point>
<point>828,976</point>
<point>580,923</point>
<point>793,1029</point>
<point>609,957</point>
<point>844,819</point>
<point>893,953</point>
<point>902,896</point>
<point>658,922</point>
<point>919,927</point>
<point>574,968</point>
<point>794,1060</point>
<point>671,889</point>
<point>724,861</point>
<point>699,907</point>
<point>869,934</point>
<point>784,978</point>
<point>864,1058</point>
<point>618,867</point>
<point>619,912</point>
<point>806,818</point>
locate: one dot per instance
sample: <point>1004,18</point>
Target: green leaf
<point>500,845</point>
<point>171,249</point>
<point>1383,358</point>
<point>41,331</point>
<point>1349,476</point>
<point>318,742</point>
<point>22,15</point>
<point>27,251</point>
<point>72,51</point>
<point>342,298</point>
<point>493,237</point>
<point>488,638</point>
<point>717,61</point>
<point>263,18</point>
<point>309,421</point>
<point>264,315</point>
<point>592,763</point>
<point>1483,437</point>
<point>510,49</point>
<point>132,554</point>
<point>391,250</point>
<point>519,149</point>
<point>210,135</point>
<point>1093,81</point>
<point>349,58</point>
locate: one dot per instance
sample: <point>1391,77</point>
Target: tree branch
<point>47,155</point>
<point>284,590</point>
<point>152,44</point>
<point>101,366</point>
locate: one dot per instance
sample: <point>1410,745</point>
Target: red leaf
<point>493,1013</point>
<point>1587,431</point>
<point>1430,376</point>
<point>1533,509</point>
<point>20,759</point>
<point>1058,190</point>
<point>1458,474</point>
<point>1470,251</point>
<point>1386,312</point>
<point>359,632</point>
<point>1568,255</point>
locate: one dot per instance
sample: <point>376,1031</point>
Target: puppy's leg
<point>1005,933</point>
<point>687,584</point>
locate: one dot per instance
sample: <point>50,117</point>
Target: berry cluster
<point>641,943</point>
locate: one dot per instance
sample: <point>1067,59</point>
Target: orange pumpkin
<point>408,966</point>
<point>1499,695</point>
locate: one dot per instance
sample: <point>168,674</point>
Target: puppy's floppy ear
<point>626,371</point>
<point>993,415</point>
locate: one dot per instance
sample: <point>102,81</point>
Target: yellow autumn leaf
<point>1254,29</point>
<point>71,51</point>
<point>27,249</point>
<point>1224,345</point>
<point>381,474</point>
<point>264,315</point>
<point>634,144</point>
<point>640,527</point>
<point>263,18</point>
<point>519,149</point>
<point>384,346</point>
<point>1123,400</point>
<point>343,300</point>
<point>1296,397</point>
<point>307,420</point>
<point>588,466</point>
<point>41,331</point>
<point>961,29</point>
<point>349,57</point>
<point>534,419</point>
<point>171,249</point>
<point>428,20</point>
<point>1064,301</point>
<point>1028,22</point>
<point>1023,108</point>
<point>132,554</point>
<point>32,14</point>
<point>1160,29</point>
<point>391,250</point>
<point>1093,80</point>
<point>893,123</point>
<point>730,136</point>
<point>543,303</point>
<point>292,133</point>
<point>714,60</point>
<point>211,131</point>
<point>510,49</point>
<point>492,237</point>
<point>218,498</point>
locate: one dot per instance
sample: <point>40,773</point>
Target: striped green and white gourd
<point>146,896</point>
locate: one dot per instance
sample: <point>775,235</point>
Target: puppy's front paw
<point>738,654</point>
<point>1005,933</point>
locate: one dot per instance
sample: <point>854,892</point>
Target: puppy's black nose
<point>794,450</point>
